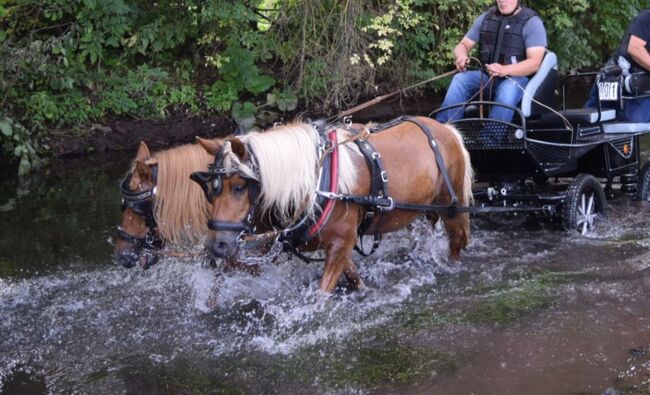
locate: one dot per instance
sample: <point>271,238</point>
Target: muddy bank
<point>124,135</point>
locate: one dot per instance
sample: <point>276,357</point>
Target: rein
<point>379,99</point>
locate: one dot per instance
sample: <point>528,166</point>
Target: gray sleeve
<point>534,33</point>
<point>474,32</point>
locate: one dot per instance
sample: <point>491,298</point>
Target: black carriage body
<point>541,150</point>
<point>545,155</point>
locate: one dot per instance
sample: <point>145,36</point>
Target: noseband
<point>141,203</point>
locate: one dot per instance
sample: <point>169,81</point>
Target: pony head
<point>138,238</point>
<point>232,187</point>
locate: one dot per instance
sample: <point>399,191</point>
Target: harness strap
<point>228,226</point>
<point>378,192</point>
<point>290,248</point>
<point>333,187</point>
<point>440,161</point>
<point>148,242</point>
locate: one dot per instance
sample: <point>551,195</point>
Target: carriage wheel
<point>643,184</point>
<point>584,205</point>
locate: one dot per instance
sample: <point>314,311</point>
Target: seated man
<point>632,55</point>
<point>512,42</point>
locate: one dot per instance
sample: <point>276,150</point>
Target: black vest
<point>622,49</point>
<point>502,39</point>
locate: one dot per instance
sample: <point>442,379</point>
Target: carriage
<point>560,164</point>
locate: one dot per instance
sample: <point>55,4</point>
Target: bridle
<point>211,183</point>
<point>141,203</point>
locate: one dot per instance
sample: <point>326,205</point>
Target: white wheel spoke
<point>590,206</point>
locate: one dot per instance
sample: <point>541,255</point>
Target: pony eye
<point>239,188</point>
<point>215,183</point>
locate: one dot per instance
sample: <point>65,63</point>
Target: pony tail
<point>468,178</point>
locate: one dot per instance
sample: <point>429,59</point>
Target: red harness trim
<point>329,206</point>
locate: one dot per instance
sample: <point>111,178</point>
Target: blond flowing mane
<point>287,160</point>
<point>181,209</point>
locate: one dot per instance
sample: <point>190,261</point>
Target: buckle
<point>240,239</point>
<point>384,175</point>
<point>390,207</point>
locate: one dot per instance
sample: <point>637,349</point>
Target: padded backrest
<point>541,87</point>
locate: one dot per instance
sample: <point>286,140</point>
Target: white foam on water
<point>73,321</point>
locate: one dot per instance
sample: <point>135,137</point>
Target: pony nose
<point>127,259</point>
<point>221,248</point>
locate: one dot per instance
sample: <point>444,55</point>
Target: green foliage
<point>244,114</point>
<point>15,140</point>
<point>239,74</point>
<point>65,64</point>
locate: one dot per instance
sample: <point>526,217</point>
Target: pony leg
<point>433,219</point>
<point>352,275</point>
<point>457,228</point>
<point>336,262</point>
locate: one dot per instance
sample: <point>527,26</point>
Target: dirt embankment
<point>121,135</point>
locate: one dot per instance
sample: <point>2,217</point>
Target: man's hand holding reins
<point>461,63</point>
<point>496,70</point>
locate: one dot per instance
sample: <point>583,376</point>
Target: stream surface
<point>531,309</point>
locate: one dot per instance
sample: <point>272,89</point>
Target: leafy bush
<point>16,141</point>
<point>65,64</point>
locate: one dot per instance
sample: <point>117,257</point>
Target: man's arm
<point>637,51</point>
<point>461,53</point>
<point>534,57</point>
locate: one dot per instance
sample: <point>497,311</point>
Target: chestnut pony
<point>275,174</point>
<point>160,203</point>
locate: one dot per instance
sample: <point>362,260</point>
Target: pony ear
<point>143,152</point>
<point>141,173</point>
<point>238,148</point>
<point>143,170</point>
<point>212,146</point>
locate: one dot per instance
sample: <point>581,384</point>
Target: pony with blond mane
<point>161,203</point>
<point>264,182</point>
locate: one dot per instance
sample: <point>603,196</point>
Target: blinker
<point>204,179</point>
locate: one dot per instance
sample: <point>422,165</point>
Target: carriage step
<point>625,127</point>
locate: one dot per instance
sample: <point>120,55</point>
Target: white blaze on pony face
<point>507,7</point>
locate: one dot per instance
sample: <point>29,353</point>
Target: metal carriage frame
<point>560,164</point>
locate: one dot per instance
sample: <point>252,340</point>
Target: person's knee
<point>509,92</point>
<point>459,81</point>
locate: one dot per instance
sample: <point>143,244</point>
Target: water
<point>531,309</point>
